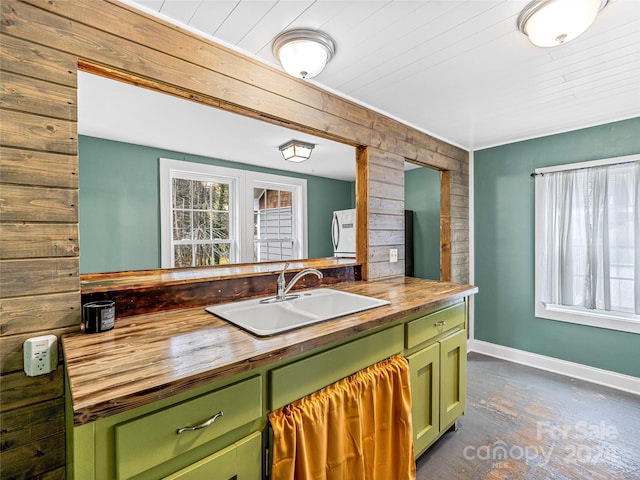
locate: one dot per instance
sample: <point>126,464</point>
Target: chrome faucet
<point>283,288</point>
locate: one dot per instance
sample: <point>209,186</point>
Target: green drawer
<point>294,381</point>
<point>151,440</point>
<point>424,328</point>
<point>239,461</point>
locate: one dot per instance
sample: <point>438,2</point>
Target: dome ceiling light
<point>549,23</point>
<point>303,53</point>
<point>296,151</point>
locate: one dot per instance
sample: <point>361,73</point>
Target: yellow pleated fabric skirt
<point>357,428</point>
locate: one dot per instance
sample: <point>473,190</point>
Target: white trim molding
<point>626,383</point>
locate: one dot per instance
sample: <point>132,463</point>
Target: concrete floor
<point>525,423</point>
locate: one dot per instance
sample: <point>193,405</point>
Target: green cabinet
<point>453,377</point>
<point>437,372</point>
<point>217,430</point>
<point>240,461</point>
<point>424,368</point>
<point>151,442</point>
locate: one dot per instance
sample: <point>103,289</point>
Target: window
<point>201,225</point>
<point>588,243</point>
<point>213,215</point>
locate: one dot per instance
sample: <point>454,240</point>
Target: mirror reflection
<point>224,195</point>
<point>422,221</point>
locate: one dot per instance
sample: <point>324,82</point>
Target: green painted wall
<point>504,248</point>
<point>422,195</point>
<point>120,204</point>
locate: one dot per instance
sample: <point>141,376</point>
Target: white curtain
<point>591,238</point>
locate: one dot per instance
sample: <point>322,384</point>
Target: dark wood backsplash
<point>200,292</point>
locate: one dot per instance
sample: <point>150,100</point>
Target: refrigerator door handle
<point>335,231</point>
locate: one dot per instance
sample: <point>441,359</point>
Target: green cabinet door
<point>239,461</point>
<point>424,369</point>
<point>453,377</point>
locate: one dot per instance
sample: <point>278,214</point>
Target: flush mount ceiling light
<point>303,53</point>
<point>549,23</point>
<point>296,151</point>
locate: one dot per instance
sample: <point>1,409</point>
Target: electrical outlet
<point>393,255</point>
<point>40,355</point>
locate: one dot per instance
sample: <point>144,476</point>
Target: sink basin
<point>308,307</point>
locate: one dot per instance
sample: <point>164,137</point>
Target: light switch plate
<point>393,255</point>
<point>40,355</point>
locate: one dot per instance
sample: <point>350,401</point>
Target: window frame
<point>601,319</point>
<point>240,205</point>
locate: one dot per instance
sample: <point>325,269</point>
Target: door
<point>424,368</point>
<point>453,377</point>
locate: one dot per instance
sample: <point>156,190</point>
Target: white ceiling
<point>457,69</point>
<point>126,113</point>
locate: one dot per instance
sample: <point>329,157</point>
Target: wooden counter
<point>154,356</point>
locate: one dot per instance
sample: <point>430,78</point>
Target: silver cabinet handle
<point>202,425</point>
<point>440,324</point>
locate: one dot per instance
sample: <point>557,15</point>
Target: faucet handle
<point>286,265</point>
<point>281,276</point>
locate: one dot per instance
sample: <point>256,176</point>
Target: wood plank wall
<point>42,43</point>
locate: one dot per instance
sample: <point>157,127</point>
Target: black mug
<point>99,316</point>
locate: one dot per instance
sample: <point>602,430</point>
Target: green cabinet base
<point>240,461</point>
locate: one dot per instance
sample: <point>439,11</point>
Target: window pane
<point>181,193</point>
<point>201,225</point>
<point>204,255</point>
<point>220,196</point>
<point>182,255</point>
<point>182,225</point>
<point>202,195</point>
<point>220,224</point>
<point>222,253</point>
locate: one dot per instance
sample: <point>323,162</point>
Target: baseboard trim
<point>607,378</point>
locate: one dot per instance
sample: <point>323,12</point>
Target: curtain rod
<point>589,164</point>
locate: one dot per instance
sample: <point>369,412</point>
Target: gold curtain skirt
<point>357,428</point>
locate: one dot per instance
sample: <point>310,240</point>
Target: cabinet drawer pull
<point>440,324</point>
<point>202,425</point>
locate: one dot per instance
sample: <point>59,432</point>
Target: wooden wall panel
<point>386,214</point>
<point>35,315</point>
<point>24,130</point>
<point>22,426</point>
<point>38,61</point>
<point>28,167</point>
<point>25,240</point>
<point>34,459</point>
<point>380,254</point>
<point>363,212</point>
<point>37,204</point>
<point>38,276</point>
<point>42,44</point>
<point>37,96</point>
<point>38,248</point>
<point>17,390</point>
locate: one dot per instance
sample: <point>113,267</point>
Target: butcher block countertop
<point>150,357</point>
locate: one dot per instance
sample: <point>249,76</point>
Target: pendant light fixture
<point>549,23</point>
<point>303,53</point>
<point>296,151</point>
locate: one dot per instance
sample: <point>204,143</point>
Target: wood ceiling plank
<point>210,15</point>
<point>242,19</point>
<point>181,10</point>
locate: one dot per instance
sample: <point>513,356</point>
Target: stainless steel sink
<point>306,308</point>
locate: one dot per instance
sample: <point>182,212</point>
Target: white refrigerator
<point>343,233</point>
